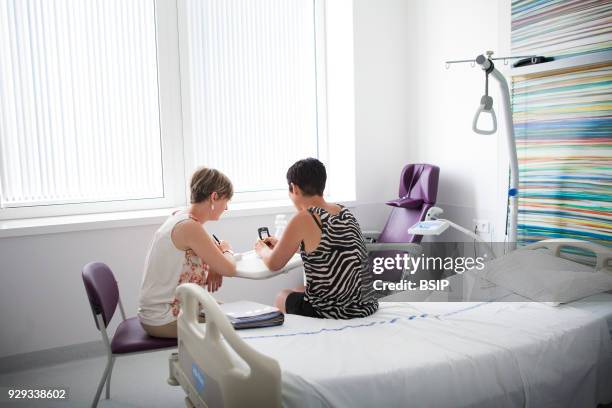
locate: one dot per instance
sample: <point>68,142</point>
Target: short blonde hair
<point>206,181</point>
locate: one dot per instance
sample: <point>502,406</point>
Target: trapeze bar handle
<point>486,105</point>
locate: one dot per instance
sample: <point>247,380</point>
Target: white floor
<point>137,381</point>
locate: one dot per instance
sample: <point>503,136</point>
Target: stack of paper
<point>249,315</point>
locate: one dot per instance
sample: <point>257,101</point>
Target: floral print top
<point>194,271</point>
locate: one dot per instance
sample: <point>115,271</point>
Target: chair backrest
<point>102,290</point>
<point>418,191</point>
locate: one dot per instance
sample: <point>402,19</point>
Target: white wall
<point>407,109</point>
<point>473,169</point>
<point>415,110</point>
<point>384,128</point>
<point>384,67</point>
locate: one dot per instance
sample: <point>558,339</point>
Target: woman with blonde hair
<point>182,251</point>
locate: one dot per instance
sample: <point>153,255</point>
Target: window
<point>79,103</point>
<point>110,105</point>
<point>252,70</point>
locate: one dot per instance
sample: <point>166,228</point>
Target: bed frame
<point>230,373</point>
<point>234,376</point>
<point>603,255</point>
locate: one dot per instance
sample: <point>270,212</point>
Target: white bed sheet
<point>434,354</point>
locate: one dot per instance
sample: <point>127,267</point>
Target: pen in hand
<point>227,250</point>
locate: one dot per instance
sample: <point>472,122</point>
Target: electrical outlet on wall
<point>482,226</point>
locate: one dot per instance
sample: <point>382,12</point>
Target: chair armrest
<point>406,202</point>
<point>371,235</point>
<point>411,248</point>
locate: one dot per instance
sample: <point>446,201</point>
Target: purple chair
<point>418,191</point>
<point>129,338</point>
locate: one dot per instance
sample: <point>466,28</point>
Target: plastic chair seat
<point>130,337</point>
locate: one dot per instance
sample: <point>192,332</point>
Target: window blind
<point>79,113</point>
<point>252,88</point>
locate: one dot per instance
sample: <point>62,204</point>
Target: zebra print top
<point>337,284</point>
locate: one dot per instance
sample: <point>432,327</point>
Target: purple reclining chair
<point>129,338</point>
<point>418,191</point>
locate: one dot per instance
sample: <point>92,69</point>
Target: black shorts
<point>295,304</point>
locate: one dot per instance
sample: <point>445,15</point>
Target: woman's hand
<point>213,281</point>
<point>271,242</point>
<point>261,248</point>
<point>224,246</point>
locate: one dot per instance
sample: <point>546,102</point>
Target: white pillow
<point>540,276</point>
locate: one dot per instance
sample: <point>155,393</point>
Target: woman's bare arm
<point>277,257</point>
<point>190,234</point>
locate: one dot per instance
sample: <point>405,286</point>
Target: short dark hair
<point>309,175</point>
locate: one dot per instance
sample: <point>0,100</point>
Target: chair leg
<point>109,363</point>
<point>108,377</point>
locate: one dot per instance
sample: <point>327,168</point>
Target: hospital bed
<point>509,352</point>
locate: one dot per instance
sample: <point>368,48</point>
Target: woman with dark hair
<point>332,248</point>
<point>182,251</point>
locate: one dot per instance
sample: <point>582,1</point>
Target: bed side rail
<point>258,385</point>
<point>602,253</point>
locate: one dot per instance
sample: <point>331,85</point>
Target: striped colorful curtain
<point>561,28</point>
<point>563,126</point>
<point>563,121</point>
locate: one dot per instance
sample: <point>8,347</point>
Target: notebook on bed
<point>251,315</point>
